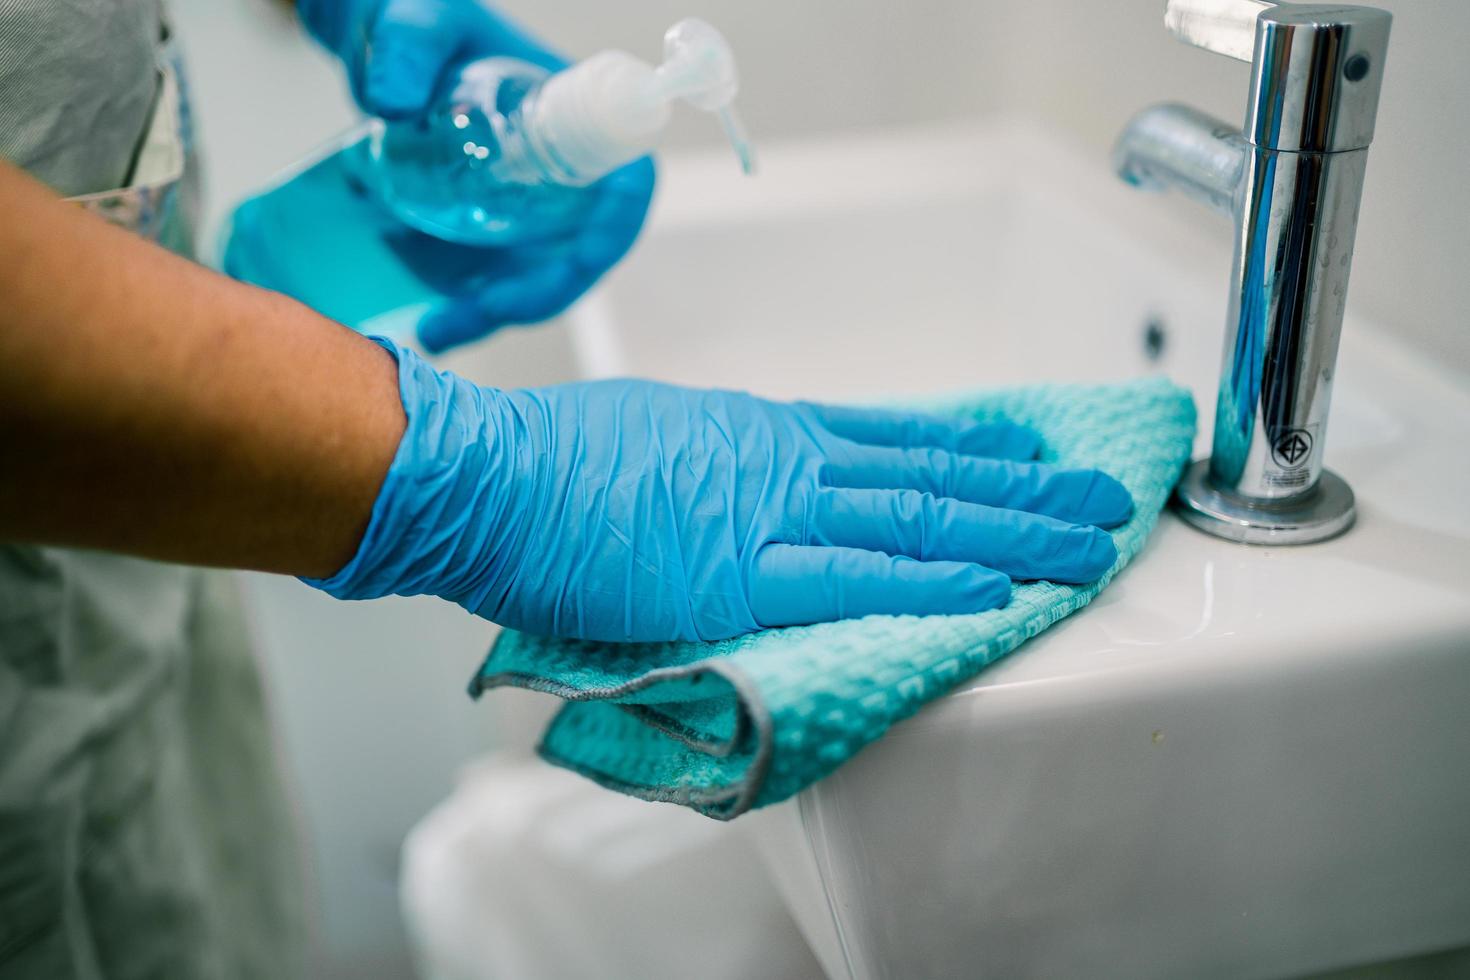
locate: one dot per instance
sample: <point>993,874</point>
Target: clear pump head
<point>699,68</point>
<point>611,108</point>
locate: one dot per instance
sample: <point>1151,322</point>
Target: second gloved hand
<point>397,53</point>
<point>630,510</point>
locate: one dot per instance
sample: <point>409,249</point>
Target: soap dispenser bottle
<point>505,155</point>
<point>396,220</point>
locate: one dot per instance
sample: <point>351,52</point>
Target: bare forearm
<point>150,406</point>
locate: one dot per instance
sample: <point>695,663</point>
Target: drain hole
<point>1155,338</point>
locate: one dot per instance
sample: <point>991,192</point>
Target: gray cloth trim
<point>752,717</point>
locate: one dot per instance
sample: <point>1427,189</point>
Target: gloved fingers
<point>612,225</point>
<point>929,528</point>
<point>1071,495</point>
<point>496,34</point>
<point>413,43</point>
<point>792,585</point>
<point>530,296</point>
<point>410,44</point>
<point>541,291</point>
<point>876,427</point>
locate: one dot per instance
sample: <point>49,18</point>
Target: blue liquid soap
<point>399,216</point>
<point>472,170</point>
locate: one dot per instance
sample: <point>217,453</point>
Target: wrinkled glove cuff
<point>435,508</point>
<point>362,578</point>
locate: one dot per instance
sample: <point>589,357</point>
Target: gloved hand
<point>630,510</point>
<point>397,52</point>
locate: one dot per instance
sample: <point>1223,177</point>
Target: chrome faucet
<point>1292,179</point>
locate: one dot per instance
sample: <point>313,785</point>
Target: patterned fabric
<point>78,79</point>
<point>747,722</point>
<point>160,202</point>
<point>144,831</point>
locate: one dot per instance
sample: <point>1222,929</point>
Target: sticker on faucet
<point>1292,449</point>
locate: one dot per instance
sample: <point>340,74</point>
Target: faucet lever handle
<point>1225,27</point>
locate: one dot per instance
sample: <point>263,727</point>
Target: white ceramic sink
<point>1239,761</point>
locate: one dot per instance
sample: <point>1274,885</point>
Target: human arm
<point>152,407</point>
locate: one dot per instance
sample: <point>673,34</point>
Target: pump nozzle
<point>699,68</point>
<point>611,108</point>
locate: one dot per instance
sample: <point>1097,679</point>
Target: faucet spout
<point>1173,146</point>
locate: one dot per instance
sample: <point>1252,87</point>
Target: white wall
<point>371,695</point>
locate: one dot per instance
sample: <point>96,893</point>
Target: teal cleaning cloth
<point>725,727</point>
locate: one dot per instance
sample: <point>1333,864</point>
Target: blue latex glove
<point>397,53</point>
<point>630,510</point>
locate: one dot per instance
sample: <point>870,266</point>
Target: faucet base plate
<point>1324,512</point>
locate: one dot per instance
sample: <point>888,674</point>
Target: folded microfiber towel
<point>724,727</point>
